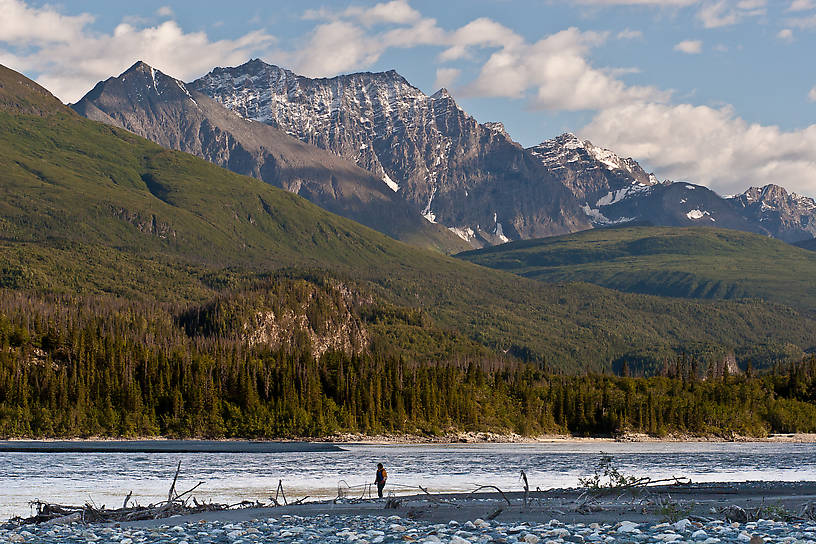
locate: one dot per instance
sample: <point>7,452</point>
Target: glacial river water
<point>105,478</point>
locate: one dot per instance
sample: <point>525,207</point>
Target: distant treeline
<point>73,367</point>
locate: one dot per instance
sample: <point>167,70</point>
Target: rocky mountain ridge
<point>457,172</point>
<point>151,104</point>
<point>420,156</point>
<point>616,190</point>
<point>784,215</point>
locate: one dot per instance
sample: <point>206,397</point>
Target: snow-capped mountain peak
<point>788,216</point>
<point>444,163</point>
<point>595,175</point>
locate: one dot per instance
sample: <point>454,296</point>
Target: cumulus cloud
<point>165,11</point>
<point>557,73</point>
<point>709,146</point>
<point>812,94</point>
<point>345,42</point>
<point>70,57</point>
<point>335,47</point>
<point>397,11</point>
<point>25,26</point>
<point>446,77</point>
<point>802,5</point>
<point>786,34</point>
<point>691,47</point>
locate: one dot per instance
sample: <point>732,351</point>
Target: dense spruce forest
<point>96,366</point>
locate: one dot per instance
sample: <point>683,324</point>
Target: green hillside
<point>92,210</point>
<point>701,263</point>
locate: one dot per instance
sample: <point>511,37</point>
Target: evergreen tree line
<point>74,367</point>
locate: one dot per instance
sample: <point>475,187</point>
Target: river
<point>106,477</point>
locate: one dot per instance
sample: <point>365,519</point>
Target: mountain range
<point>90,210</point>
<point>145,101</point>
<point>423,155</point>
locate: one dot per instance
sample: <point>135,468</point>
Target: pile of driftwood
<point>176,504</point>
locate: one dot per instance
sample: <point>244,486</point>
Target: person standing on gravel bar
<point>380,479</point>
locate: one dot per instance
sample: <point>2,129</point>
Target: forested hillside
<point>102,367</point>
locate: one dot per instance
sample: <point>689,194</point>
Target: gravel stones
<point>341,529</point>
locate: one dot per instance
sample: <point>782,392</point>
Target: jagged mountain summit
<point>616,190</point>
<point>784,215</point>
<point>590,172</point>
<point>470,177</point>
<point>161,108</point>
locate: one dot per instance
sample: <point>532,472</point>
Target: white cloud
<point>70,58</point>
<point>556,71</point>
<point>802,5</point>
<point>392,12</point>
<point>446,77</point>
<point>335,47</point>
<point>719,13</point>
<point>22,25</point>
<point>812,94</point>
<point>342,44</point>
<point>397,11</point>
<point>785,34</point>
<point>482,32</point>
<point>751,5</point>
<point>709,146</point>
<point>691,47</point>
<point>165,11</point>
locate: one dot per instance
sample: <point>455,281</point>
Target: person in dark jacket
<point>380,479</point>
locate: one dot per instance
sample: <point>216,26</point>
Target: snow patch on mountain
<point>153,75</point>
<point>696,215</point>
<point>595,215</point>
<point>499,231</point>
<point>465,233</point>
<point>394,186</point>
<point>426,212</point>
<point>185,91</point>
<point>614,197</point>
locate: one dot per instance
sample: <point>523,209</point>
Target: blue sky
<point>719,92</point>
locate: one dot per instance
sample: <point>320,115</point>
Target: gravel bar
<point>395,529</point>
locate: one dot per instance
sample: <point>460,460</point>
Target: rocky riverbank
<point>359,529</point>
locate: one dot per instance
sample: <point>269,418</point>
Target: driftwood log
<point>176,504</point>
